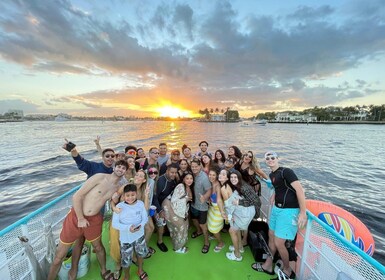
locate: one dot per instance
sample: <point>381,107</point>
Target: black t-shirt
<point>285,194</point>
<point>164,188</point>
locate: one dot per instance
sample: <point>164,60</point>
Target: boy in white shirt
<point>130,223</point>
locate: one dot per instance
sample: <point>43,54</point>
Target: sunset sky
<point>147,57</point>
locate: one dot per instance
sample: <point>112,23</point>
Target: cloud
<point>18,104</point>
<point>204,57</point>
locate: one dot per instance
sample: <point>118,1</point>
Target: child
<point>130,222</point>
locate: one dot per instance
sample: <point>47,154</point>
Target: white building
<point>287,117</point>
<point>217,117</point>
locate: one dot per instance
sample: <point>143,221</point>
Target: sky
<point>152,58</point>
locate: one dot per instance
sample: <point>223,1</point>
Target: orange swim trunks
<point>71,232</point>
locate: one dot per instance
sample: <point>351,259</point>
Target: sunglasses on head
<point>109,155</point>
<point>131,153</point>
<point>270,158</point>
<point>153,172</point>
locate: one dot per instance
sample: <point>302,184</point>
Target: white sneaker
<point>182,250</point>
<point>231,256</point>
<point>231,248</point>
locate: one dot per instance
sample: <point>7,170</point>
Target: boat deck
<point>193,265</point>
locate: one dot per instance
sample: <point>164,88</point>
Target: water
<point>342,164</point>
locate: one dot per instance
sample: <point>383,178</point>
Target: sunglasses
<point>155,153</point>
<point>176,154</point>
<point>109,156</point>
<point>153,172</point>
<point>248,155</point>
<point>270,158</point>
<point>131,153</point>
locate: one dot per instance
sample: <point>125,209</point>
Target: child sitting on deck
<point>130,222</point>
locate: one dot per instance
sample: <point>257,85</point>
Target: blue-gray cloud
<point>254,59</point>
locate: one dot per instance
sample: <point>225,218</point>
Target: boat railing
<point>325,254</point>
<point>14,260</point>
<point>322,253</point>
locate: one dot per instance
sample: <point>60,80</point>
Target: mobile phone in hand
<point>137,227</point>
<point>70,146</point>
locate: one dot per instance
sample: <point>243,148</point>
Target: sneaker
<point>231,256</point>
<point>231,248</point>
<point>182,250</point>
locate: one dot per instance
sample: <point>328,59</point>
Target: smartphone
<point>70,146</point>
<point>137,227</point>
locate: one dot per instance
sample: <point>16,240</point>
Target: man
<point>164,187</point>
<point>199,209</point>
<point>85,220</point>
<point>153,156</point>
<point>230,163</point>
<point>163,156</point>
<point>91,167</point>
<point>290,207</point>
<point>203,145</point>
<point>175,157</point>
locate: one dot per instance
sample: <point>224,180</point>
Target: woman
<point>176,209</point>
<point>206,163</point>
<point>184,167</point>
<point>131,171</point>
<point>153,172</point>
<point>145,192</point>
<point>234,151</point>
<point>249,169</point>
<point>186,151</point>
<point>246,203</point>
<point>216,210</point>
<point>219,158</point>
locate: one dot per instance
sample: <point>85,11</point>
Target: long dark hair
<point>237,152</point>
<point>227,182</point>
<point>238,186</point>
<point>192,185</point>
<point>222,154</point>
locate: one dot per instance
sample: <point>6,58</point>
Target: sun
<point>173,112</point>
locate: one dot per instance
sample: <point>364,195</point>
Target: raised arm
<point>97,144</point>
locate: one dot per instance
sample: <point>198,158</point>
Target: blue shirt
<point>91,167</point>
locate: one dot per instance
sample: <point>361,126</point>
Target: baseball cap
<point>271,153</point>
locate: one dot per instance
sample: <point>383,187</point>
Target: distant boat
<point>245,123</point>
<point>260,122</point>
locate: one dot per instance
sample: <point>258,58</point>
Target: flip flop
<point>195,234</point>
<point>107,275</point>
<point>218,248</point>
<point>142,275</point>
<point>258,267</point>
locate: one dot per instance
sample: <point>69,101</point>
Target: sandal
<point>118,273</point>
<point>258,267</point>
<point>143,275</point>
<point>205,249</point>
<point>232,257</point>
<point>151,250</point>
<point>195,234</point>
<point>218,248</point>
<point>107,275</point>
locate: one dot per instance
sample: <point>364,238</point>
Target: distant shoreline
<point>332,122</point>
<point>268,122</point>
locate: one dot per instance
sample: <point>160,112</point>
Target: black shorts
<point>201,216</point>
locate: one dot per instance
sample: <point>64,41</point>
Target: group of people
<point>216,193</point>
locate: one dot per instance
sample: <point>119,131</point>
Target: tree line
<point>332,113</point>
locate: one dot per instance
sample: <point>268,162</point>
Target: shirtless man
<point>84,218</point>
